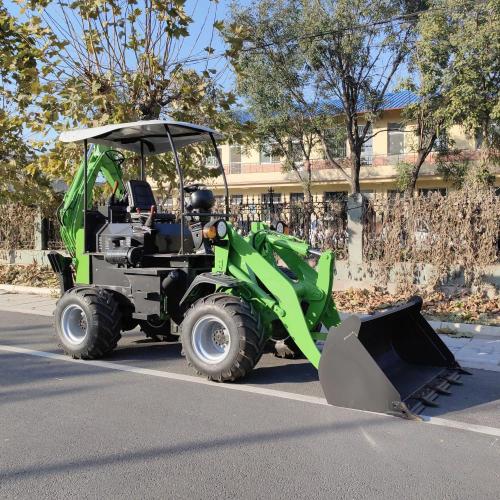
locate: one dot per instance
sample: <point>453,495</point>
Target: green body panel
<point>303,305</point>
<point>72,209</point>
<point>252,261</point>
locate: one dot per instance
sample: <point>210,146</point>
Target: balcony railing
<point>367,160</point>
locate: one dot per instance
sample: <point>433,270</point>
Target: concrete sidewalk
<point>27,303</point>
<point>482,352</point>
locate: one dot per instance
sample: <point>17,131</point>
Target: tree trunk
<point>423,153</point>
<point>355,169</point>
<point>308,207</point>
<point>410,188</point>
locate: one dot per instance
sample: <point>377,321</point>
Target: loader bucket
<point>392,362</point>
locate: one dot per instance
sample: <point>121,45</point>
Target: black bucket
<point>391,362</point>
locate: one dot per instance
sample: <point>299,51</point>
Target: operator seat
<point>140,196</point>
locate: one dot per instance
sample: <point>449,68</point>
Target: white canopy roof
<point>152,133</point>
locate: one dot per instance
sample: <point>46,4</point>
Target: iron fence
<point>323,224</point>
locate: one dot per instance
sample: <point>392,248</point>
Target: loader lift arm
<point>71,212</point>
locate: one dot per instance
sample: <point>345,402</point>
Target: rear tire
<point>87,322</point>
<point>222,337</point>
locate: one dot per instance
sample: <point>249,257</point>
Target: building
<point>252,172</point>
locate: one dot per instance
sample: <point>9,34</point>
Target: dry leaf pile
<point>30,275</point>
<point>462,307</point>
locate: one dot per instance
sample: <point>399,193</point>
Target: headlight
<point>221,228</point>
<point>217,230</point>
<point>209,232</point>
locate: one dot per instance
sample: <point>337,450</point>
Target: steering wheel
<point>191,188</point>
<point>116,156</point>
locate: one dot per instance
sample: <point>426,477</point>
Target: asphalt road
<point>73,430</point>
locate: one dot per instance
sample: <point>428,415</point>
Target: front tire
<point>87,322</point>
<point>222,337</point>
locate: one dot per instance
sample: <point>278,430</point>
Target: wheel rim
<point>74,324</point>
<point>211,340</point>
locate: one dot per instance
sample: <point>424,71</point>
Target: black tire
<point>128,323</point>
<point>158,330</point>
<point>99,317</point>
<point>244,328</point>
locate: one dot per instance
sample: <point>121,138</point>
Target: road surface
<point>141,426</point>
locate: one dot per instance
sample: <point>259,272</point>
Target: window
<point>393,193</point>
<point>430,191</point>
<point>211,161</point>
<point>266,198</point>
<point>235,159</point>
<point>297,153</point>
<point>236,199</point>
<point>268,153</point>
<point>296,198</point>
<point>339,196</point>
<point>367,146</point>
<point>336,143</point>
<point>442,142</point>
<point>168,204</point>
<point>395,139</point>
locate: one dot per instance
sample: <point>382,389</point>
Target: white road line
<point>442,422</point>
<point>454,424</point>
<point>170,375</point>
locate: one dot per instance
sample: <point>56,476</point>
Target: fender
<point>205,284</point>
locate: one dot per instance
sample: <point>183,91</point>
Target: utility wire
<point>312,36</point>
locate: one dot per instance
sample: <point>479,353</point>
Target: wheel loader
<point>192,277</point>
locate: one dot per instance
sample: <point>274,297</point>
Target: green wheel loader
<point>226,296</point>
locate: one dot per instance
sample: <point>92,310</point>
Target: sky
<point>203,13</point>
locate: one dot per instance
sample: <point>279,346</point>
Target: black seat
<point>140,195</point>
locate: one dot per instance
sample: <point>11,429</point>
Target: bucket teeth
<point>428,402</point>
<point>440,390</point>
<point>463,371</point>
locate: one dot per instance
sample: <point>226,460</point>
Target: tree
<point>356,48</point>
<point>459,59</point>
<point>121,60</point>
<point>455,70</point>
<point>19,82</point>
<point>429,134</point>
<point>276,85</point>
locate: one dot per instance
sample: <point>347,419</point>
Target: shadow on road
<point>187,448</point>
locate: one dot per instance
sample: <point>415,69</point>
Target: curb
<point>442,327</point>
<point>448,328</point>
<point>32,290</point>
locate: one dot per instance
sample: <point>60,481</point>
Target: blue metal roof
<point>392,100</point>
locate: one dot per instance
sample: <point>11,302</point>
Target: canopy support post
<point>143,161</point>
<point>222,172</point>
<point>85,194</point>
<point>181,184</point>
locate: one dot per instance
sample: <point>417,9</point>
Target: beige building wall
<point>379,177</point>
